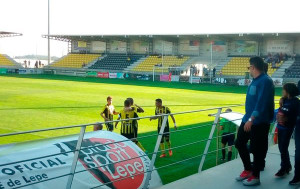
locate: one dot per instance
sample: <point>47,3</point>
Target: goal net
<point>161,73</point>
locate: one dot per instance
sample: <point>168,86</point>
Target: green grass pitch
<point>42,101</point>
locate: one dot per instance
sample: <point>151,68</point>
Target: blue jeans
<point>284,137</point>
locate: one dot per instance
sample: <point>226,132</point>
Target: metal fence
<point>153,154</point>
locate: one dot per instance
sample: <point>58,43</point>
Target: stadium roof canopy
<point>9,34</point>
<point>253,36</point>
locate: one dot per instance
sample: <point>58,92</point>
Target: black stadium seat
<point>116,61</point>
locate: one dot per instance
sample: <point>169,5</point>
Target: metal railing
<point>153,154</point>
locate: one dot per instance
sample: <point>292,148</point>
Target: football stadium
<point>149,111</point>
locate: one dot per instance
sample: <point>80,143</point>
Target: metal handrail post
<point>149,172</point>
<point>209,139</point>
<point>75,159</point>
<point>235,150</point>
<point>217,155</point>
<point>153,74</point>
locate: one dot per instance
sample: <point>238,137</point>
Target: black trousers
<point>258,137</point>
<point>297,151</point>
<point>284,137</point>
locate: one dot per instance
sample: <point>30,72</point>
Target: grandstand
<point>138,55</point>
<point>75,60</point>
<point>6,61</point>
<point>294,70</point>
<point>238,66</point>
<point>166,61</point>
<point>116,61</point>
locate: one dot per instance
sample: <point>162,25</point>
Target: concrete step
<point>223,176</point>
<point>13,61</point>
<point>136,63</point>
<point>56,61</point>
<point>94,61</point>
<point>221,64</point>
<point>280,71</point>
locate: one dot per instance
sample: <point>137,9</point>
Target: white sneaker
<point>251,181</point>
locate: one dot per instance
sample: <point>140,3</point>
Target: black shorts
<point>228,138</point>
<point>165,134</point>
<point>109,126</point>
<point>129,136</point>
<point>135,128</point>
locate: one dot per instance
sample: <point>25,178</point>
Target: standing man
<point>160,109</point>
<point>135,106</point>
<point>296,179</point>
<point>228,129</point>
<point>214,72</point>
<point>128,126</point>
<point>136,109</point>
<point>108,113</point>
<point>256,122</point>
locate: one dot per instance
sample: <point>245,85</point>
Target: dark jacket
<point>289,110</point>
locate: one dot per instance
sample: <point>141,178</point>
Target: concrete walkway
<point>223,176</point>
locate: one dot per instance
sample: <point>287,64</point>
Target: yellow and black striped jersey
<point>127,127</point>
<point>108,111</point>
<point>136,109</point>
<point>162,110</point>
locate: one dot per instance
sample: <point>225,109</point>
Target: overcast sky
<point>97,17</point>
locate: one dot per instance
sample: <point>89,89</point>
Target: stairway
<point>280,72</point>
<point>94,61</point>
<point>189,62</point>
<point>221,64</point>
<point>56,61</point>
<point>129,68</point>
<point>218,62</point>
<point>13,61</point>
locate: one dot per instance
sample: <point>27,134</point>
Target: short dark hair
<point>258,63</point>
<point>158,100</point>
<point>266,67</point>
<point>130,100</point>
<point>291,89</point>
<point>108,98</point>
<point>126,103</point>
<point>228,110</point>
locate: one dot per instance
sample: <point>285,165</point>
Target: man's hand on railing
<point>153,118</point>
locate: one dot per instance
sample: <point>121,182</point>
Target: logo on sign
<point>103,74</point>
<point>116,164</point>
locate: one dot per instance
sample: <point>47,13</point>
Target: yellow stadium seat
<point>238,66</point>
<point>167,61</point>
<point>4,61</point>
<point>75,60</point>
